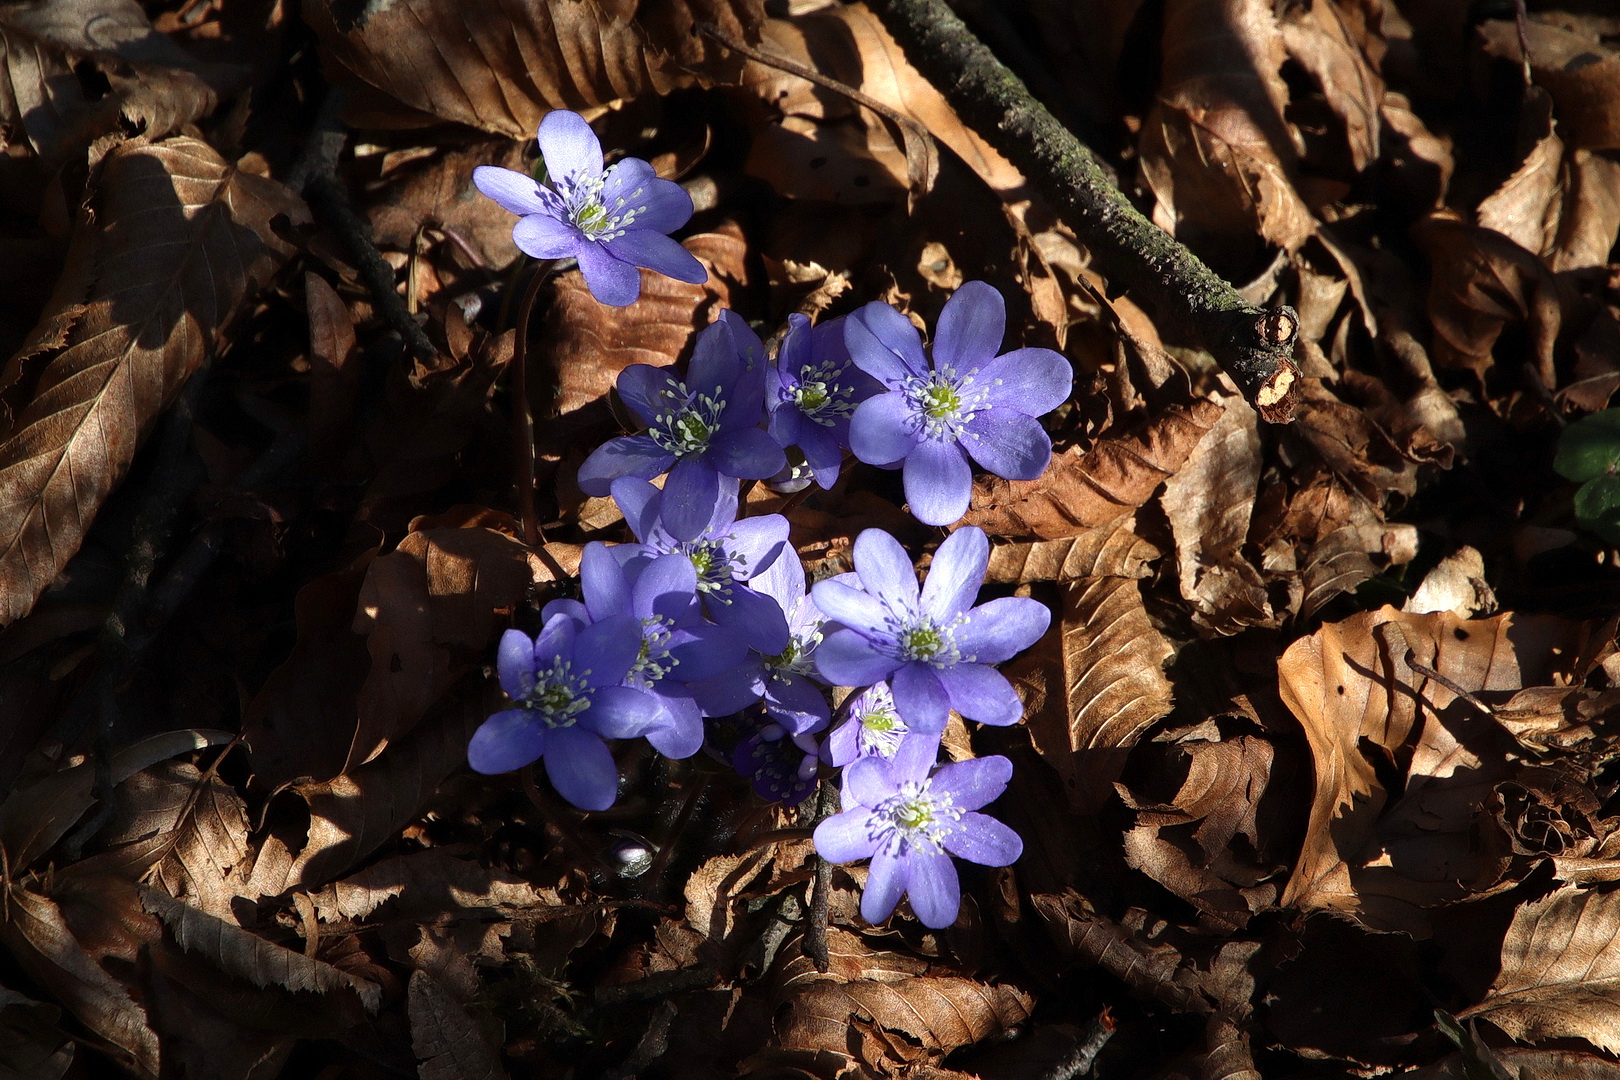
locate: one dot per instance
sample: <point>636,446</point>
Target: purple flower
<point>906,821</point>
<point>612,221</point>
<point>784,679</point>
<point>677,645</point>
<point>779,765</point>
<point>698,430</point>
<point>724,553</point>
<point>970,402</point>
<point>565,689</point>
<point>872,727</point>
<point>811,391</point>
<point>934,648</point>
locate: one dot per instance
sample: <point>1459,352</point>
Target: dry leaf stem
<point>1253,345</point>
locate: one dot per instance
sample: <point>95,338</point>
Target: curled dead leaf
<point>1216,152</point>
<point>888,1025</point>
<point>1386,855</point>
<point>429,609</point>
<point>51,55</point>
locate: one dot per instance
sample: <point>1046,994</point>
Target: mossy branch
<point>1253,345</point>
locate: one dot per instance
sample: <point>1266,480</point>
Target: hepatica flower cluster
<point>700,633</point>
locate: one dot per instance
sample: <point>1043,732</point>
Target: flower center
<point>558,696</point>
<point>882,731</point>
<point>820,396</point>
<point>716,567</point>
<point>798,657</point>
<point>941,402</point>
<point>688,429</point>
<point>919,637</point>
<point>811,397</point>
<point>919,816</point>
<point>924,643</point>
<point>591,216</point>
<point>654,662</point>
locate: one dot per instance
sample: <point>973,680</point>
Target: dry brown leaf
<point>188,829</point>
<point>1581,71</point>
<point>438,193</point>
<point>1216,152</point>
<point>180,240</point>
<point>1563,206</point>
<point>1224,1055</point>
<point>1185,843</point>
<point>931,1016</point>
<point>334,379</point>
<point>1083,491</point>
<point>1318,36</point>
<point>1093,685</point>
<point>43,945</point>
<point>1111,550</point>
<point>502,66</point>
<point>1155,960</point>
<point>1560,976</point>
<point>34,816</point>
<point>1418,161</point>
<point>1351,443</point>
<point>813,144</point>
<point>352,815</point>
<point>1521,1063</point>
<point>51,55</point>
<point>32,1047</point>
<point>850,958</point>
<point>585,345</point>
<point>447,1043</point>
<point>1482,281</point>
<point>1209,502</point>
<point>1386,856</point>
<point>247,956</point>
<point>424,884</point>
<point>429,610</point>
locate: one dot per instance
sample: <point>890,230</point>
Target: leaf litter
<point>1316,772</point>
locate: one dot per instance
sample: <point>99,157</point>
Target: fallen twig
<point>1084,1055</point>
<point>1253,345</point>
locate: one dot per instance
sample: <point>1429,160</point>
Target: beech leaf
<point>1080,491</point>
<point>247,956</point>
<point>179,240</point>
<point>1093,684</point>
<point>447,1043</point>
<point>51,53</point>
<point>502,66</point>
<point>1560,976</point>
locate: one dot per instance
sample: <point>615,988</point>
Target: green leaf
<point>1590,447</point>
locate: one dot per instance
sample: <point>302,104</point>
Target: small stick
<point>815,929</point>
<point>314,175</point>
<point>1084,1055</point>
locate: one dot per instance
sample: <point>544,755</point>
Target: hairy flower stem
<point>523,478</point>
<point>1253,345</point>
